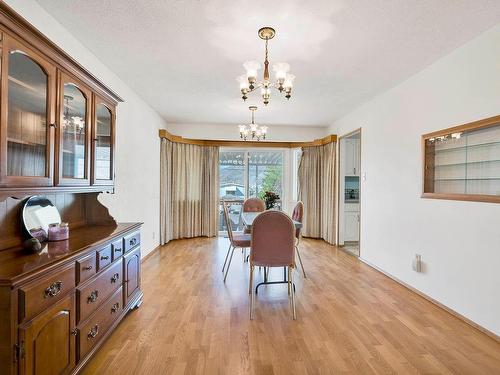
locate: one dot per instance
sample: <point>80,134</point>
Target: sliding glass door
<point>244,174</point>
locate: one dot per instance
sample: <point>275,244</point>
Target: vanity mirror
<point>38,214</point>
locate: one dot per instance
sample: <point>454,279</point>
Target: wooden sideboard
<point>58,305</point>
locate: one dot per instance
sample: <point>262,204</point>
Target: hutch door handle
<point>93,332</point>
<point>53,290</point>
<point>74,332</point>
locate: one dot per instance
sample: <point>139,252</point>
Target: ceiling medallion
<point>284,80</point>
<point>253,130</point>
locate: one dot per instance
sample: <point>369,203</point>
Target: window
<point>265,173</point>
<point>244,174</point>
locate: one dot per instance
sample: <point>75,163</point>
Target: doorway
<point>349,213</point>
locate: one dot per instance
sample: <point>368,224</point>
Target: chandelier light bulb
<point>280,70</point>
<point>251,68</point>
<point>288,84</point>
<point>243,81</point>
<point>263,129</point>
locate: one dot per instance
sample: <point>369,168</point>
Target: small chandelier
<point>257,132</point>
<point>284,80</point>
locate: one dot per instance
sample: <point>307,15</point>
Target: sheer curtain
<point>317,191</point>
<point>189,191</point>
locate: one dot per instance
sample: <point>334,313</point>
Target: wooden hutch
<point>57,139</point>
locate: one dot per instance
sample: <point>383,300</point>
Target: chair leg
<point>300,261</point>
<point>227,255</point>
<point>230,259</point>
<point>250,290</point>
<point>292,294</point>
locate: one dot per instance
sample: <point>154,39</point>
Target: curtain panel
<point>317,183</point>
<point>189,191</point>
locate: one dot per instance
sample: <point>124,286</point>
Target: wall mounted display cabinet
<point>463,162</point>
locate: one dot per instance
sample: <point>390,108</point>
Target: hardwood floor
<point>350,319</point>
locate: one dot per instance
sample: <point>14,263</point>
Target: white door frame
<point>340,185</point>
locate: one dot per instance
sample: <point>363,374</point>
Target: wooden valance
<point>163,133</point>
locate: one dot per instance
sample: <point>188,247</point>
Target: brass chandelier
<point>284,80</point>
<point>253,130</point>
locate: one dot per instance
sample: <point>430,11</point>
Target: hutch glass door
<point>27,117</point>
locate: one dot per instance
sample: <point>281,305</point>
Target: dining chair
<point>253,205</point>
<point>273,245</point>
<point>236,240</point>
<point>297,215</point>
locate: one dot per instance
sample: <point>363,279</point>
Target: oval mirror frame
<point>38,213</point>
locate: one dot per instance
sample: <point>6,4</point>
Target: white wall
<point>136,195</point>
<point>230,132</point>
<point>459,241</point>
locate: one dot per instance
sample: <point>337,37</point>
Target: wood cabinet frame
<point>428,169</point>
<point>10,44</point>
<point>63,79</point>
<point>97,101</point>
<point>57,64</point>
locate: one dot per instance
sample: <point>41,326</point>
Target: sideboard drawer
<point>117,249</point>
<point>131,241</point>
<point>85,268</point>
<point>42,293</point>
<point>104,257</point>
<point>94,329</point>
<point>92,295</point>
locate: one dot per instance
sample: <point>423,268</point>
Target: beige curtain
<point>189,191</point>
<point>317,191</point>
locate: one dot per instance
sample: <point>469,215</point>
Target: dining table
<point>247,219</point>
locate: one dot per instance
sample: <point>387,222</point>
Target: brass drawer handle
<point>53,290</point>
<point>93,296</point>
<point>93,332</point>
<point>115,307</point>
<point>88,268</point>
<point>133,241</point>
<point>115,277</point>
<point>118,250</point>
<point>104,257</point>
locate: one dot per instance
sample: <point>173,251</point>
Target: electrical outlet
<point>417,263</point>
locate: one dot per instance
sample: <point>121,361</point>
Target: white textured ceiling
<point>182,56</point>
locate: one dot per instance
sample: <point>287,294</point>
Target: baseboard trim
<point>435,302</point>
<point>151,253</point>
